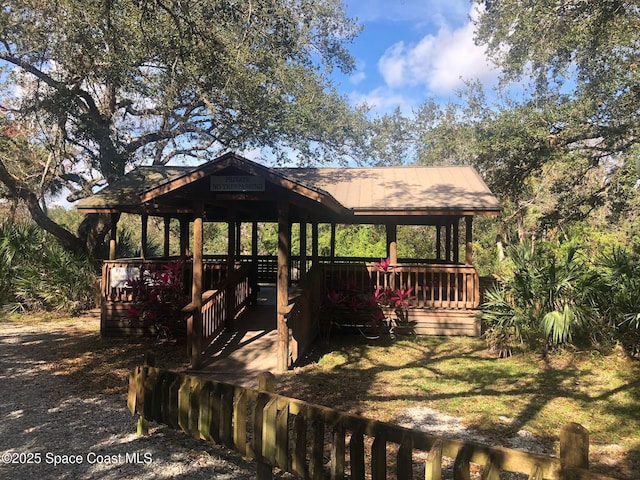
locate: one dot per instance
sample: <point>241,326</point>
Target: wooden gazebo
<point>235,190</point>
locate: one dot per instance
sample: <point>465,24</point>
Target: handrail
<point>444,286</point>
<point>219,307</point>
<point>301,314</point>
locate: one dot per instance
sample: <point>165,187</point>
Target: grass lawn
<point>495,397</point>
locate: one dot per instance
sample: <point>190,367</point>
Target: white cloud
<point>382,100</point>
<point>357,78</point>
<point>440,62</point>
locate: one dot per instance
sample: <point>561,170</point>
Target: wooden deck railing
<point>115,274</point>
<point>455,287</point>
<point>302,317</point>
<point>316,442</point>
<point>220,307</point>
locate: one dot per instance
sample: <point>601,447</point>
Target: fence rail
<point>313,442</point>
<point>435,285</point>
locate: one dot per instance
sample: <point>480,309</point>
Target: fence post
<point>433,465</point>
<point>149,361</point>
<point>574,449</point>
<point>240,420</point>
<point>264,471</point>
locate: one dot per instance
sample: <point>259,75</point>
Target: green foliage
<point>619,301</point>
<point>37,273</point>
<point>555,294</point>
<point>140,81</point>
<point>544,302</point>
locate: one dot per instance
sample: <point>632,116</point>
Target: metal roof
<point>412,190</point>
<point>401,188</point>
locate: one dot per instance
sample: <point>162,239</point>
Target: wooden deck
<point>239,356</point>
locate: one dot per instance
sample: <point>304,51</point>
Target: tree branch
<point>21,191</point>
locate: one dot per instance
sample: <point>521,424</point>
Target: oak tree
<point>104,85</point>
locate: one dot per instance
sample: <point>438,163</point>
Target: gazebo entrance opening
<point>235,191</point>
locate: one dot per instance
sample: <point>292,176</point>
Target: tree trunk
<point>22,191</point>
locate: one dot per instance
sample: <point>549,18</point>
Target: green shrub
<point>38,274</point>
<point>544,302</point>
<point>619,297</point>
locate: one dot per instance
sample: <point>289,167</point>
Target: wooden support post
<point>405,459</point>
<point>264,471</point>
<point>447,247</point>
<point>143,235</point>
<point>433,465</point>
<point>299,455</point>
<point>226,415</point>
<point>456,241</point>
<point>267,382</point>
<point>238,249</point>
<point>167,236</point>
<point>143,422</point>
<point>240,423</point>
<point>114,236</point>
<point>184,237</point>
<point>332,255</point>
<point>231,265</point>
<point>468,233</point>
<point>303,250</point>
<point>184,396</point>
<point>206,412</point>
<point>194,407</point>
<point>461,464</point>
<point>231,244</point>
<point>170,410</point>
<point>356,454</point>
<point>269,419</point>
<point>392,250</point>
<point>392,243</point>
<point>574,448</point>
<point>284,257</point>
<point>254,263</point>
<point>338,445</point>
<point>379,458</point>
<point>254,241</point>
<point>196,285</point>
<point>316,470</point>
<point>315,259</point>
<point>282,438</point>
<point>438,242</point>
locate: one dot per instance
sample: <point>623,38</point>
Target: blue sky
<point>410,50</point>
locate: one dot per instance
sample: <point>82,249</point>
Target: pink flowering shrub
<point>159,298</point>
<point>348,305</point>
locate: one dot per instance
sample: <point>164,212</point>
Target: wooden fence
<point>316,442</point>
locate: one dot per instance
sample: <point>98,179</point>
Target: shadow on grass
<point>497,398</point>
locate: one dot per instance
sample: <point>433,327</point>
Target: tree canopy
<point>96,87</point>
<point>557,140</point>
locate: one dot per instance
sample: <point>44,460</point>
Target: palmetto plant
<point>37,273</point>
<point>619,297</point>
<point>546,300</point>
